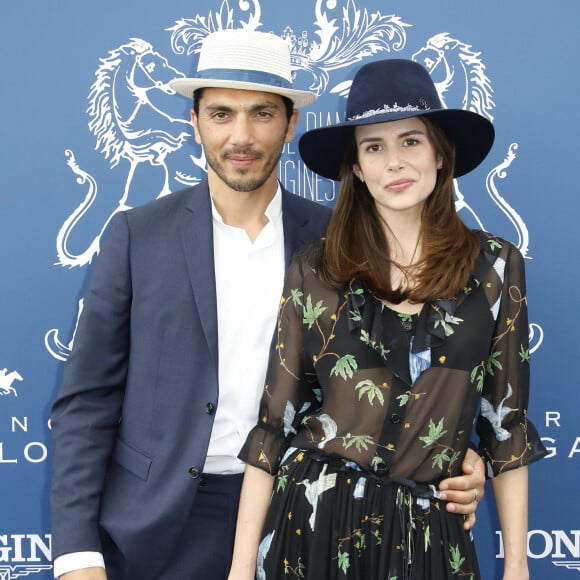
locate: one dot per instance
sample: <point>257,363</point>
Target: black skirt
<point>330,520</point>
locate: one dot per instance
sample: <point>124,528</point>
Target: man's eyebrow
<point>218,107</point>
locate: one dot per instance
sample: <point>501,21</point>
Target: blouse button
<point>395,418</point>
<point>381,468</point>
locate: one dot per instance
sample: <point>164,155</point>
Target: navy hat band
<point>250,76</point>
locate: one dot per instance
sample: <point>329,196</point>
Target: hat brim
<point>323,149</point>
<point>187,86</point>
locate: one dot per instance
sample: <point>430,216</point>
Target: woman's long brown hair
<point>356,247</point>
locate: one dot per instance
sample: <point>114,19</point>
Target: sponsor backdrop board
<point>71,159</point>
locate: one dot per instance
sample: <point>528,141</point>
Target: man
<point>167,369</point>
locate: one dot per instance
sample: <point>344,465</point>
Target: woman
<point>393,333</point>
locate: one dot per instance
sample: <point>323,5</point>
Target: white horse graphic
<point>460,77</point>
<point>461,81</point>
<point>124,118</point>
<point>458,73</point>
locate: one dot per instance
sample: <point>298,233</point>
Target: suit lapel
<point>197,237</point>
<point>296,231</point>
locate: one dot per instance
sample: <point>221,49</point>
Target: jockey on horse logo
<point>6,380</point>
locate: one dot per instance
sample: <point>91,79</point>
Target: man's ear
<point>195,124</point>
<point>292,124</point>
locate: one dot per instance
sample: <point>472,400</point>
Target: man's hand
<point>96,573</point>
<point>465,491</point>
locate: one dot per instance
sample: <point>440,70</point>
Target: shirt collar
<point>273,211</point>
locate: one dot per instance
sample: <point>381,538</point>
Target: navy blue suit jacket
<point>130,424</point>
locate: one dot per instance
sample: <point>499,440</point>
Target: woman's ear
<point>357,171</point>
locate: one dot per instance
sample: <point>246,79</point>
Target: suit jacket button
<point>210,408</point>
<point>194,472</point>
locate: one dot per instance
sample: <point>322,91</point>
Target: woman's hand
<point>464,492</point>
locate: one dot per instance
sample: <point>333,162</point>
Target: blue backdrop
<point>89,127</point>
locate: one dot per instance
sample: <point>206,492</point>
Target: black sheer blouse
<point>395,393</point>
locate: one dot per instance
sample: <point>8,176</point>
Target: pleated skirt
<point>331,520</point>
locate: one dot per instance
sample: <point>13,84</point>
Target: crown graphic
<point>300,47</point>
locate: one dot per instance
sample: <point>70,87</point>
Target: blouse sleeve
<point>508,439</point>
<point>290,388</point>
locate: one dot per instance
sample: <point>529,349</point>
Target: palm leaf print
<point>378,346</point>
<point>477,376</point>
<point>311,313</point>
<point>296,296</point>
<point>345,366</point>
<point>456,560</point>
<point>372,391</point>
<point>344,561</point>
<point>447,322</point>
<point>524,354</point>
<point>435,433</point>
<point>359,441</point>
<point>493,363</point>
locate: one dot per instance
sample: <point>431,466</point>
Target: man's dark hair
<point>198,93</point>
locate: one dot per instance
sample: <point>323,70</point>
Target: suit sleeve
<point>87,410</point>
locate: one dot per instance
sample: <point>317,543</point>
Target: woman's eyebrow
<point>402,135</point>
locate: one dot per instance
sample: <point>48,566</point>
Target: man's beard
<point>240,181</point>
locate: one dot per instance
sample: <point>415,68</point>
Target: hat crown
<point>247,60</point>
<point>239,54</point>
<point>391,87</point>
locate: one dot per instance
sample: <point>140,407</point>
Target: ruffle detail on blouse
<point>434,324</point>
<point>364,316</point>
<point>526,447</point>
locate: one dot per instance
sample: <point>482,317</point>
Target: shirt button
<point>210,408</point>
<point>194,472</point>
<point>395,418</point>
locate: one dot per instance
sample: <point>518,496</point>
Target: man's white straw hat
<point>244,59</point>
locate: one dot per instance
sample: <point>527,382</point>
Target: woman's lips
<point>399,185</point>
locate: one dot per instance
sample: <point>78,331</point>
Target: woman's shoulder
<point>305,268</point>
<point>310,255</point>
<point>499,252</point>
<point>495,245</point>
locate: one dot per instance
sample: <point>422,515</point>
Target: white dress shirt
<point>249,283</point>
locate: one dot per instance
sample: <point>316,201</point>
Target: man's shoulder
<point>171,206</point>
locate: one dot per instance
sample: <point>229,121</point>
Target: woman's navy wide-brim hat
<point>389,90</point>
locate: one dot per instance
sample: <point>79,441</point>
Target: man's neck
<point>244,209</point>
